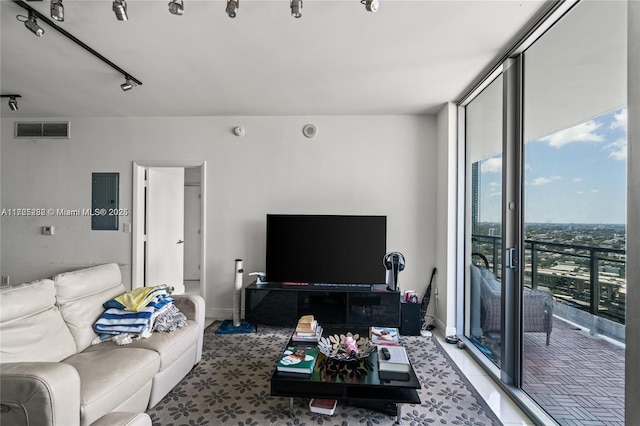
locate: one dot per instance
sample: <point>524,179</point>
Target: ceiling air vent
<point>42,130</point>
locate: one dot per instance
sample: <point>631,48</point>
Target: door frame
<point>138,212</point>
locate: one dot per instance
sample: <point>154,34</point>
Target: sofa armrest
<point>192,307</point>
<point>39,393</point>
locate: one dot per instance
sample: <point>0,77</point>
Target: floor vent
<point>42,130</point>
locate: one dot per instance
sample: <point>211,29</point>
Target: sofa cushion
<point>80,295</point>
<point>169,345</point>
<point>110,377</point>
<point>31,326</point>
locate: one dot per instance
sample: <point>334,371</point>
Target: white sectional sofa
<point>50,374</point>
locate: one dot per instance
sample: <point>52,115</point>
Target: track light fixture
<point>128,84</point>
<point>371,5</point>
<point>13,102</point>
<point>120,9</point>
<point>176,7</point>
<point>232,8</point>
<point>31,24</point>
<point>57,10</point>
<point>296,8</point>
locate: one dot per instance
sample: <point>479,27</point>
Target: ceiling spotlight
<point>128,84</point>
<point>57,10</point>
<point>296,8</point>
<point>31,23</point>
<point>176,7</point>
<point>13,103</point>
<point>232,8</point>
<point>120,9</point>
<point>371,5</point>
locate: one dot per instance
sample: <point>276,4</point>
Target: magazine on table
<point>384,336</point>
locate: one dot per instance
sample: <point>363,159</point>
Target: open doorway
<point>168,225</point>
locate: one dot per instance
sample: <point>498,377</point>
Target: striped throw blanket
<point>116,321</point>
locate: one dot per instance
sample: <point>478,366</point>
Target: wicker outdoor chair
<point>537,305</point>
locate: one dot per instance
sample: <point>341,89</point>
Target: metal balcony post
<point>534,266</point>
<point>594,281</point>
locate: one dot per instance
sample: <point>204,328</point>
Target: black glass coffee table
<point>357,381</point>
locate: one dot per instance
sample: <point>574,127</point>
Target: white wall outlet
<point>126,227</point>
<point>48,230</point>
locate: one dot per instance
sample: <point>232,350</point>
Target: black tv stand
<point>275,304</point>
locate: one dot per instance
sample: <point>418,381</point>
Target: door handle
<point>180,242</point>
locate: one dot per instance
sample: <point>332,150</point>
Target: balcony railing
<point>592,279</point>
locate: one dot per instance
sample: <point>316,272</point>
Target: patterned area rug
<point>230,386</point>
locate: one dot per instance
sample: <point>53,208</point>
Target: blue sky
<point>577,175</point>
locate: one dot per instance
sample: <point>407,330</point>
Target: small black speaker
<point>410,319</point>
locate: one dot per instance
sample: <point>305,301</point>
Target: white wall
<point>355,165</point>
<point>632,369</point>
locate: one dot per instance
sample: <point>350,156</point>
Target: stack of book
<point>386,336</point>
<point>323,406</point>
<point>393,363</point>
<point>297,360</point>
<point>307,330</point>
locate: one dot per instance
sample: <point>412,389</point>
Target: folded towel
<point>137,299</point>
<point>116,321</point>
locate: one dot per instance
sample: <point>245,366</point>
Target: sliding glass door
<point>483,217</point>
<point>575,121</point>
<point>544,154</point>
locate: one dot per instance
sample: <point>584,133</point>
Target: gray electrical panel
<point>104,201</point>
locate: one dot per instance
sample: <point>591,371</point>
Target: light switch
<point>48,230</point>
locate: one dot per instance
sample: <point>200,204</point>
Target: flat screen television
<point>327,249</point>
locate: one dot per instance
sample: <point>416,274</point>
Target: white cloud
<point>492,165</point>
<point>578,179</point>
<point>584,132</point>
<point>620,119</point>
<point>580,192</point>
<point>595,190</point>
<point>494,184</point>
<point>618,149</point>
<point>544,180</point>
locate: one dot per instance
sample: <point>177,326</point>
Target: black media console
<point>275,304</point>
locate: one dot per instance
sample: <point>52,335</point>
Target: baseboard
<point>221,313</point>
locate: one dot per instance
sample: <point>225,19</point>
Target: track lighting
<point>57,10</point>
<point>120,9</point>
<point>128,84</point>
<point>176,7</point>
<point>232,7</point>
<point>31,24</point>
<point>371,5</point>
<point>296,8</point>
<point>119,6</point>
<point>13,102</point>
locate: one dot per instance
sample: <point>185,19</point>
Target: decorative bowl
<point>334,347</point>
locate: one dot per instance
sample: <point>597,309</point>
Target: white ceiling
<point>338,59</point>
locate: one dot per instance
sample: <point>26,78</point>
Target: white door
<point>192,233</point>
<point>165,227</point>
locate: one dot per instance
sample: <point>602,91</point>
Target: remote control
<point>385,353</point>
